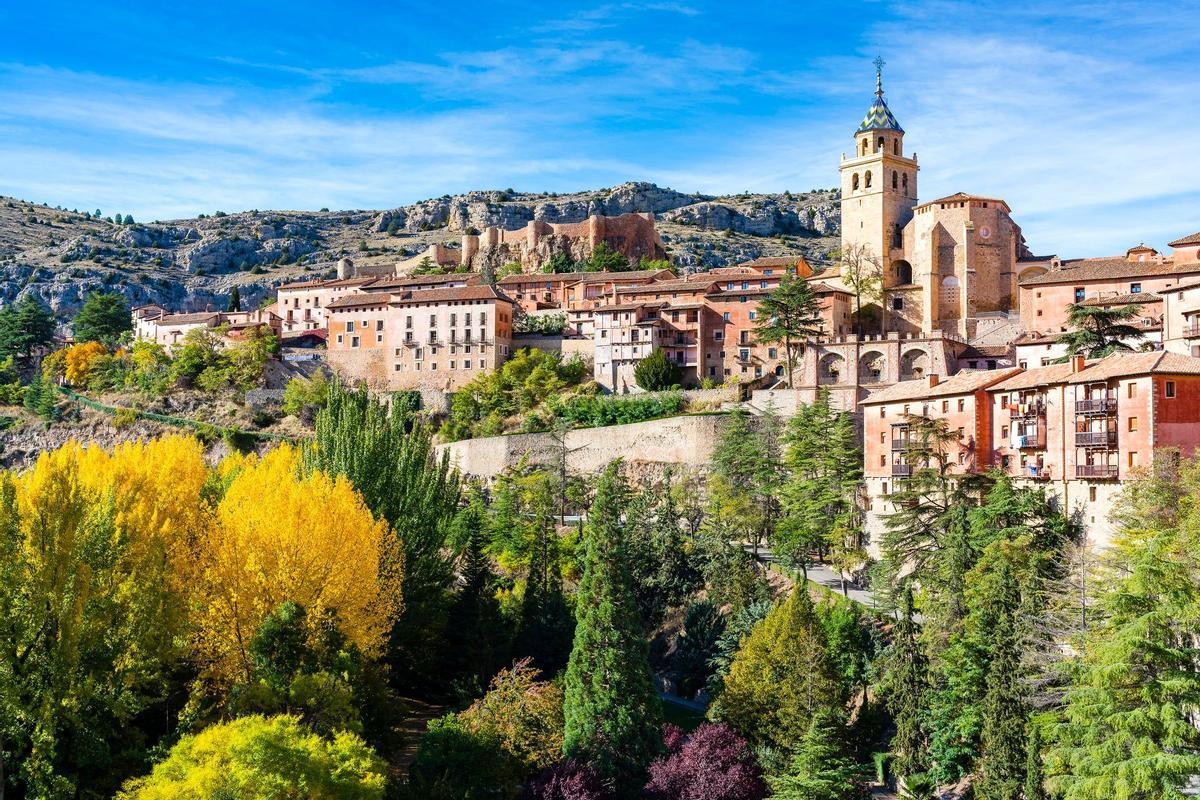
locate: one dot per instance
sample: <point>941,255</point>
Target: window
<point>962,405</point>
<point>718,336</point>
<point>1023,364</point>
<point>1003,399</point>
<point>961,433</point>
<point>882,411</point>
<point>433,320</point>
<point>753,314</point>
<point>882,460</point>
<point>883,437</point>
<point>408,322</point>
<point>885,489</point>
<point>744,355</point>
<point>350,326</point>
<point>854,182</point>
<point>378,324</point>
<point>1080,293</point>
<point>1135,288</point>
<point>1133,458</point>
<point>945,406</point>
<point>452,365</point>
<point>725,316</point>
<point>433,366</point>
<point>895,180</point>
<point>467,364</point>
<point>354,341</point>
<point>339,338</point>
<point>991,364</point>
<point>1133,423</point>
<point>898,303</point>
<point>1003,431</point>
<point>1092,494</point>
<point>419,354</point>
<point>971,364</point>
<point>867,180</point>
<point>772,352</point>
<point>1169,389</point>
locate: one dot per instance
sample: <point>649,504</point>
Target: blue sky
<point>1080,115</point>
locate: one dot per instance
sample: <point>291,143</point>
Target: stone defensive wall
<point>685,443</point>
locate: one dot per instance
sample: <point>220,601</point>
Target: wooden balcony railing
<point>1099,405</point>
<point>901,470</point>
<point>1095,470</point>
<point>1095,438</point>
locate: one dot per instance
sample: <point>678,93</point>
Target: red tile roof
<point>479,292</point>
<point>359,300</point>
<point>965,382</point>
<point>1190,239</point>
<point>1110,268</point>
<point>1122,365</point>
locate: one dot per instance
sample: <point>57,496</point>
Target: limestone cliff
<point>193,264</point>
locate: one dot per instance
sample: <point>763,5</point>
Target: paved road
<point>824,576</point>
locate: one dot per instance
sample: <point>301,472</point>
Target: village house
<point>153,324</point>
<point>437,338</point>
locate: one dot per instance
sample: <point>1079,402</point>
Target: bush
<point>570,780</point>
<point>656,372</point>
<point>259,757</point>
<point>124,417</point>
<point>594,412</point>
<point>712,763</point>
<point>305,393</point>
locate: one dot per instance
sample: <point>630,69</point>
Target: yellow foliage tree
<point>73,363</point>
<point>277,537</point>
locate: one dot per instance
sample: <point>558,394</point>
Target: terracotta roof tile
<point>479,292</point>
<point>964,382</point>
<point>1126,299</point>
<point>670,286</point>
<point>1121,365</point>
<point>1190,239</point>
<point>407,281</point>
<point>1039,376</point>
<point>187,319</point>
<point>1109,268</point>
<point>359,300</point>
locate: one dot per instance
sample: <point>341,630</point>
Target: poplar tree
<point>388,456</point>
<point>545,627</point>
<point>610,708</point>
<point>476,630</point>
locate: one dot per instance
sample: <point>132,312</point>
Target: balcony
<point>900,444</point>
<point>1098,405</point>
<point>1100,439</point>
<point>1035,408</point>
<point>1037,473</point>
<point>1192,331</point>
<point>901,470</point>
<point>1029,442</point>
<point>1096,471</point>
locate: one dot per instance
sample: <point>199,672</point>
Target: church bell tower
<point>879,190</point>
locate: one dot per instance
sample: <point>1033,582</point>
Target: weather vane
<point>879,62</point>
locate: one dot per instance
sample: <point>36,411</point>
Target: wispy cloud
<point>1072,114</point>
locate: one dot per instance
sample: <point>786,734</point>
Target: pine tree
<point>909,691</point>
<point>1002,754</point>
<point>235,300</point>
<point>1035,786</point>
<point>789,315</point>
<point>781,676</point>
<point>610,708</point>
<point>821,768</point>
<point>104,318</point>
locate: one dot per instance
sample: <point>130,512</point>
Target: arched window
<point>881,144</point>
<point>896,146</point>
<point>904,182</point>
<point>895,179</point>
<point>854,182</point>
<point>903,272</point>
<point>864,147</point>
<point>867,180</point>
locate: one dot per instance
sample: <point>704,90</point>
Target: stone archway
<point>831,369</point>
<point>914,364</point>
<point>872,367</point>
<point>903,272</point>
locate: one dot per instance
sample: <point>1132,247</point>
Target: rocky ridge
<point>194,264</point>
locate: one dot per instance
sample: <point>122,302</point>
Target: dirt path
<point>419,715</point>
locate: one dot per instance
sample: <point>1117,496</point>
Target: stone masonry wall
<point>685,442</point>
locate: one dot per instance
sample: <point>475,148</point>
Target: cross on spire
<point>879,63</point>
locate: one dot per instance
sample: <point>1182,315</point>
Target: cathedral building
<point>948,265</point>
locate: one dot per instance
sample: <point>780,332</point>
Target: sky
<point>1079,115</point>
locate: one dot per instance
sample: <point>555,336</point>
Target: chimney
<point>933,380</point>
<point>1076,364</point>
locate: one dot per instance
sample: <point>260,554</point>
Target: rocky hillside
<point>193,264</point>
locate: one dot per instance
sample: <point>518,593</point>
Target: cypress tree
<point>610,707</point>
<point>1035,787</point>
<point>475,626</point>
<point>545,627</point>
<point>235,300</point>
<point>906,701</point>
<point>1005,714</point>
<point>1127,728</point>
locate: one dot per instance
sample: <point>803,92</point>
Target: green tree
<point>1002,754</point>
<point>610,709</point>
<point>605,259</point>
<point>41,398</point>
<point>656,372</point>
<point>25,326</point>
<point>387,454</point>
<point>545,628</point>
<point>235,300</point>
<point>789,315</point>
<point>862,273</point>
<point>257,758</point>
<point>1097,331</point>
<point>561,262</point>
<point>476,630</point>
<point>128,219</point>
<point>1126,728</point>
<point>104,318</point>
<point>908,691</point>
<point>781,677</point>
<point>822,767</point>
